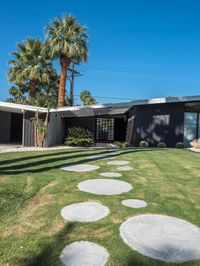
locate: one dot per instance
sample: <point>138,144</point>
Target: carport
<point>11,127</point>
<point>16,125</point>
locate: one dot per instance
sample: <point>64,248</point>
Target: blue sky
<point>138,49</point>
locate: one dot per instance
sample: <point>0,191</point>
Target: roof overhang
<point>20,108</point>
<point>95,110</point>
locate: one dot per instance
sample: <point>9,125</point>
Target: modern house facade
<point>172,120</point>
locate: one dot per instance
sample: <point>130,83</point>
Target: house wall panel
<point>28,130</point>
<point>160,122</point>
<point>56,130</point>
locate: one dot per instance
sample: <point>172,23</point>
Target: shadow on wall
<point>157,124</point>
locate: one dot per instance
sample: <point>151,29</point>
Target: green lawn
<point>33,190</point>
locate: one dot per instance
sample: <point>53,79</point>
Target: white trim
<point>20,108</point>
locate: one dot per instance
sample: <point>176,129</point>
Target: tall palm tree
<point>67,41</point>
<point>31,66</point>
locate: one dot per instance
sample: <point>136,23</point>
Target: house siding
<point>159,122</point>
<point>28,130</point>
<point>56,130</point>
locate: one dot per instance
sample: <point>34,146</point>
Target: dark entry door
<point>16,127</point>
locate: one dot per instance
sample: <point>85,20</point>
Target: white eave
<point>20,108</point>
<point>167,100</point>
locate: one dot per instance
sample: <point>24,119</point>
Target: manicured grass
<point>33,190</point>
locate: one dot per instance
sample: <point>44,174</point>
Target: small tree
<point>86,98</point>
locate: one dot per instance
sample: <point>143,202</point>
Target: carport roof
<point>20,108</point>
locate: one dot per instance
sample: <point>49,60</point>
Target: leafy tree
<point>31,66</point>
<point>86,98</point>
<point>66,41</point>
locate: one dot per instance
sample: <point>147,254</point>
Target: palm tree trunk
<point>72,87</point>
<point>32,89</point>
<point>62,86</point>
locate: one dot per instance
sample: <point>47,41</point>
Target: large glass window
<point>190,127</point>
<point>105,129</point>
<point>199,128</point>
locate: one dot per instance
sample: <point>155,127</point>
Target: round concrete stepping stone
<point>134,203</point>
<point>110,174</point>
<point>84,253</point>
<point>118,162</point>
<point>125,168</point>
<point>104,186</point>
<point>162,237</point>
<point>80,168</point>
<point>84,212</point>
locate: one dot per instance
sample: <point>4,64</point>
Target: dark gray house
<point>172,120</point>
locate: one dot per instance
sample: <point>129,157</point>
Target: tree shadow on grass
<point>8,169</point>
<point>49,255</point>
<point>22,168</point>
<point>39,156</point>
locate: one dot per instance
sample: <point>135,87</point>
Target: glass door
<point>190,128</point>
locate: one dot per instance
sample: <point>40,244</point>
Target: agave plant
<point>78,136</point>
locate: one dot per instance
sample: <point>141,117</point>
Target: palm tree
<point>31,66</point>
<point>67,41</point>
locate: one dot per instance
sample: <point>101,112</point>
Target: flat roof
<point>20,108</point>
<point>111,108</point>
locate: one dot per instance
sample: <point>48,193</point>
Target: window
<point>190,127</point>
<point>105,129</point>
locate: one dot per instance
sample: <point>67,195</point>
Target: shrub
<point>143,144</point>
<point>125,144</point>
<point>195,143</point>
<point>78,136</point>
<point>121,144</point>
<point>118,144</point>
<point>180,145</point>
<point>162,145</point>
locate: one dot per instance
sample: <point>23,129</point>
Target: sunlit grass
<point>33,190</point>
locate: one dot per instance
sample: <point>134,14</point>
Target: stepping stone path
<point>162,237</point>
<point>80,168</point>
<point>104,186</point>
<point>110,174</point>
<point>134,203</point>
<point>84,212</point>
<point>118,163</point>
<point>84,253</point>
<point>125,168</point>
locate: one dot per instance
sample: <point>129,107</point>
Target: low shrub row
<point>78,136</point>
<point>161,145</point>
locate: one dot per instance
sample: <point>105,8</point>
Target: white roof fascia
<point>20,108</point>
